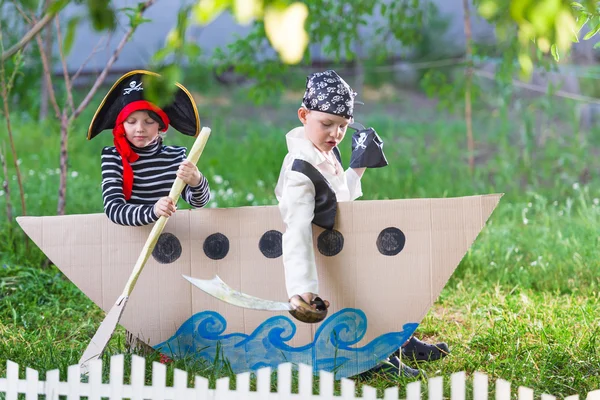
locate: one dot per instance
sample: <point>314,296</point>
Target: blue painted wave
<point>331,350</point>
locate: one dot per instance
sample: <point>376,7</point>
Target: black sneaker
<point>420,351</point>
<point>393,366</point>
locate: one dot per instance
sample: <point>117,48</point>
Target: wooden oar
<point>109,324</point>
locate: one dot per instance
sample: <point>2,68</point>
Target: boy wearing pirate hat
<point>138,171</point>
<point>311,182</point>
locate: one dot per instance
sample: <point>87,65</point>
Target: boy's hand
<point>188,173</point>
<point>367,150</point>
<point>164,207</point>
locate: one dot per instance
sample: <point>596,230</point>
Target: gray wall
<point>150,37</point>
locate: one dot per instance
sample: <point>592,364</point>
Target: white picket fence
<point>94,389</point>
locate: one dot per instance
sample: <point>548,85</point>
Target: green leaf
<point>192,50</point>
<point>577,5</point>
<point>161,54</point>
<point>554,52</point>
<point>581,21</point>
<point>160,90</point>
<point>57,6</point>
<point>207,10</point>
<point>70,35</point>
<point>596,45</point>
<point>102,15</point>
<point>592,33</point>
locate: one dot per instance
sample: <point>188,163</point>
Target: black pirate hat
<point>181,111</point>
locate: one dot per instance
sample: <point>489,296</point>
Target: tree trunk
<point>47,49</point>
<point>359,70</point>
<point>468,83</point>
<point>62,187</point>
<point>6,188</point>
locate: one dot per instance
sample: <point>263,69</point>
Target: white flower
<point>260,183</point>
<point>19,161</point>
<point>529,204</point>
<point>57,170</point>
<point>596,201</point>
<point>213,205</point>
<point>525,221</point>
<point>555,203</point>
<point>229,191</point>
<point>249,197</point>
<point>218,179</point>
<point>74,174</point>
<point>1,193</point>
<point>31,172</point>
<point>576,186</point>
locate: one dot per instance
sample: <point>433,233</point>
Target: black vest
<point>325,198</point>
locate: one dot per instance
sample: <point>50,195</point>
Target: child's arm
<point>297,207</point>
<point>115,206</point>
<point>353,176</point>
<point>197,191</point>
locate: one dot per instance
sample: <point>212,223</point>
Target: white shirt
<point>296,195</point>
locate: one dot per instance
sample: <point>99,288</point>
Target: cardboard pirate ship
<point>382,267</point>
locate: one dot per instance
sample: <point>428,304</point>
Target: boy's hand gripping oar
<point>109,324</point>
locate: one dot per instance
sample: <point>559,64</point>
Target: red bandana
<point>122,145</point>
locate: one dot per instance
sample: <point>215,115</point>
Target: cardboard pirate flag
<point>382,267</point>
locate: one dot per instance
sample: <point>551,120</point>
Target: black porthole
<point>330,242</point>
<point>390,241</point>
<point>167,249</point>
<point>270,244</point>
<point>216,246</point>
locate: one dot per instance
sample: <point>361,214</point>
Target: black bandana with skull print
<point>327,92</point>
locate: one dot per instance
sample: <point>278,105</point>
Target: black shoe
<point>420,351</point>
<point>393,366</point>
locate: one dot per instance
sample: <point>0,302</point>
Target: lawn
<point>521,306</point>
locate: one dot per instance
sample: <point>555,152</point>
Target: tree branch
<point>48,76</point>
<point>5,89</point>
<point>95,50</point>
<point>63,61</point>
<point>468,84</point>
<point>108,65</point>
<point>6,188</point>
<point>28,36</point>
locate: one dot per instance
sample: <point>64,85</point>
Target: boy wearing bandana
<point>312,181</point>
<point>138,172</point>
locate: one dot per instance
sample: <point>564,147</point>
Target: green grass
<point>522,305</point>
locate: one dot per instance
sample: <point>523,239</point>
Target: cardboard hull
<point>381,268</point>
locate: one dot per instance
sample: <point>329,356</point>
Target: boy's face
<point>140,129</point>
<point>324,130</point>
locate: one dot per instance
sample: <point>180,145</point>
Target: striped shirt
<point>153,176</point>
